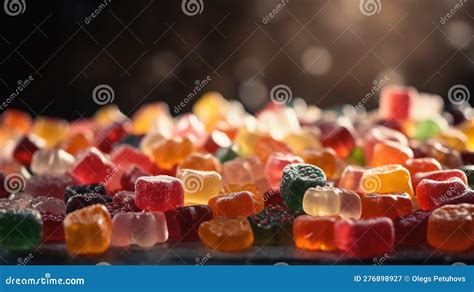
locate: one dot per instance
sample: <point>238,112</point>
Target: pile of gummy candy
<point>345,179</point>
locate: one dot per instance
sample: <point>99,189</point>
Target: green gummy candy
<point>273,226</point>
<point>20,229</point>
<point>426,129</point>
<point>226,154</point>
<point>296,179</point>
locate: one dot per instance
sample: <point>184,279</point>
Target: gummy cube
<point>410,229</point>
<point>392,178</point>
<point>432,194</point>
<point>329,201</point>
<point>88,230</point>
<point>386,205</point>
<point>272,226</point>
<point>159,193</point>
<point>315,233</point>
<point>199,186</point>
<point>183,222</point>
<point>275,165</point>
<point>450,227</point>
<point>144,229</point>
<point>365,238</point>
<point>92,167</point>
<point>20,230</point>
<point>226,234</point>
<point>296,179</point>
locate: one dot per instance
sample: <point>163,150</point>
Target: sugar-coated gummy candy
<point>88,230</point>
<point>199,186</point>
<point>432,193</point>
<point>121,207</point>
<point>296,179</point>
<point>144,229</point>
<point>226,234</point>
<point>272,197</point>
<point>84,189</point>
<point>20,230</point>
<point>130,176</point>
<point>365,238</point>
<point>410,229</point>
<point>450,227</point>
<point>83,200</point>
<point>439,175</point>
<point>48,185</point>
<point>48,204</point>
<point>159,193</point>
<point>272,226</point>
<point>183,222</point>
<point>315,232</point>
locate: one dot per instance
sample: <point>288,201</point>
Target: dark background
<point>326,51</point>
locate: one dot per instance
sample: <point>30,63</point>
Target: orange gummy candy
<point>253,188</point>
<point>324,158</point>
<point>386,205</point>
<point>88,230</point>
<point>451,227</point>
<point>233,204</point>
<point>170,152</point>
<point>390,153</point>
<point>201,161</point>
<point>314,232</point>
<point>226,234</point>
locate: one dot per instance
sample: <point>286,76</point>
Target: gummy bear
<point>144,229</point>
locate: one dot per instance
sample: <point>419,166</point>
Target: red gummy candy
<point>365,238</point>
<point>432,194</point>
<point>3,192</point>
<point>183,222</point>
<point>340,139</point>
<point>125,156</point>
<point>112,134</point>
<point>25,148</point>
<point>52,227</point>
<point>92,167</point>
<point>410,230</point>
<point>439,175</point>
<point>159,193</point>
<point>130,176</point>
